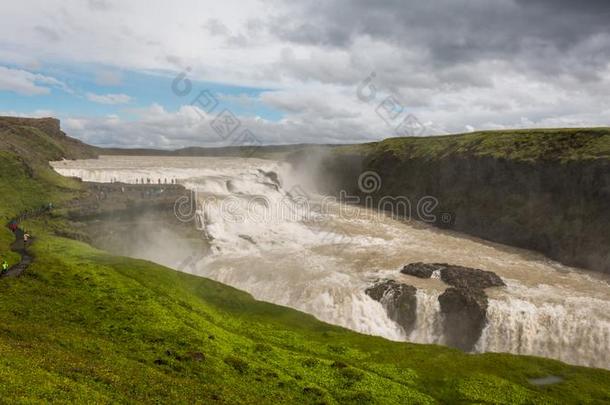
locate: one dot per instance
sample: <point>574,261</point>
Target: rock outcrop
<point>466,277</point>
<point>464,316</point>
<point>271,175</point>
<point>464,304</point>
<point>456,276</point>
<point>48,125</point>
<point>399,301</point>
<point>41,139</point>
<point>421,270</point>
<point>121,199</point>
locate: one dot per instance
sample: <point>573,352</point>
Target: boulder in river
<point>421,270</point>
<point>456,276</point>
<point>464,304</point>
<point>399,301</point>
<point>466,277</point>
<point>273,177</point>
<point>464,316</point>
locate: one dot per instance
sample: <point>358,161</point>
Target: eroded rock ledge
<point>115,199</point>
<point>456,276</point>
<point>463,305</point>
<point>464,316</point>
<point>398,300</point>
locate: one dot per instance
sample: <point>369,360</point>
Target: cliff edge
<point>546,190</point>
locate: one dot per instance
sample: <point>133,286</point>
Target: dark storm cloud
<point>571,37</point>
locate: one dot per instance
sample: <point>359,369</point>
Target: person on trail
<point>13,225</point>
<point>4,266</point>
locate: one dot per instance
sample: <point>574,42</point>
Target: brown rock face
<point>464,305</point>
<point>456,276</point>
<point>466,277</point>
<point>421,270</point>
<point>399,301</point>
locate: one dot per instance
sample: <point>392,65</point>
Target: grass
<point>521,145</point>
<point>82,325</point>
<point>27,182</point>
<point>27,188</point>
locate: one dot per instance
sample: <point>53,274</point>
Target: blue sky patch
<point>97,91</point>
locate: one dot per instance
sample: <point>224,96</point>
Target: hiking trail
<point>20,247</point>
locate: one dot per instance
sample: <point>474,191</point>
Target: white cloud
<point>155,127</point>
<point>452,74</point>
<point>27,83</point>
<point>334,114</point>
<point>108,98</point>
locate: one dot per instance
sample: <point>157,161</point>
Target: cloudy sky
<point>172,74</point>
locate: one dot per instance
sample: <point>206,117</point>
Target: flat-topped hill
<point>41,140</point>
<point>531,145</point>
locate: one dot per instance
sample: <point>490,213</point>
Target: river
<point>271,236</point>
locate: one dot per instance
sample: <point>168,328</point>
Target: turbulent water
<point>283,244</point>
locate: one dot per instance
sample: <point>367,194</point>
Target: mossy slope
<point>82,325</point>
<point>527,145</point>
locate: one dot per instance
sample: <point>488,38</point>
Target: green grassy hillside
<point>27,181</point>
<point>84,326</point>
<point>37,139</point>
<point>527,145</point>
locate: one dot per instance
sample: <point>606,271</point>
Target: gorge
<point>322,261</point>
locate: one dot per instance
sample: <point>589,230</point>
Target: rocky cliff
<point>40,140</point>
<point>545,190</point>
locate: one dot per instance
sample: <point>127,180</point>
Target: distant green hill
<point>528,145</point>
<point>39,140</point>
<point>84,326</point>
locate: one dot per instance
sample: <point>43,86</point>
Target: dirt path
<point>26,260</point>
<point>20,247</point>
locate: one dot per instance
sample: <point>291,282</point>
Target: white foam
<point>572,329</point>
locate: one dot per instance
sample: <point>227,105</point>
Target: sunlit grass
<point>522,145</point>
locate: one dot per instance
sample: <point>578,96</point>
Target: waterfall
<point>320,261</point>
<point>428,323</point>
<point>569,331</point>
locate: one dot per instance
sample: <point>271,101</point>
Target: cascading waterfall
<point>428,321</point>
<point>321,262</point>
<point>573,330</point>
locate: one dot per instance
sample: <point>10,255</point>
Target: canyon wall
<point>540,201</point>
